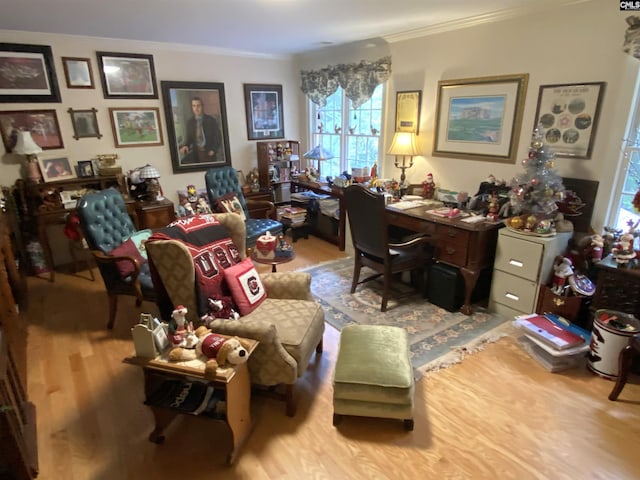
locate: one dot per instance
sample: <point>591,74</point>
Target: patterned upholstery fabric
<point>289,324</point>
<point>223,180</point>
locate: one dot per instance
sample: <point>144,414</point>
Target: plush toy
<point>220,307</point>
<point>561,271</point>
<point>220,351</point>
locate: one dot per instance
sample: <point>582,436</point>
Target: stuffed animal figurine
<point>220,307</point>
<point>180,331</point>
<point>220,351</point>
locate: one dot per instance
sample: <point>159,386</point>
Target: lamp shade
<point>148,172</point>
<point>25,144</point>
<point>404,143</point>
<point>318,153</point>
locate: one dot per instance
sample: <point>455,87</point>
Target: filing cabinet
<point>523,263</point>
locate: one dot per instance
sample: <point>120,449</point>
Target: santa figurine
<point>561,272</point>
<point>428,187</point>
<point>181,331</point>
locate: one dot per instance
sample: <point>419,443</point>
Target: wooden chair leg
<point>356,273</point>
<point>319,347</point>
<point>289,400</point>
<point>113,307</point>
<point>624,365</point>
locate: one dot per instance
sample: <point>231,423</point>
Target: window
<point>628,182</point>
<point>351,135</point>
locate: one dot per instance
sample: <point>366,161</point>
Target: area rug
<point>438,338</point>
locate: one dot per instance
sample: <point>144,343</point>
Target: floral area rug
<point>438,338</point>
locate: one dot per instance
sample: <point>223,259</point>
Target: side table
<point>274,262</point>
<point>233,381</point>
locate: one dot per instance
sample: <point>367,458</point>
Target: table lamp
<point>150,175</point>
<point>320,154</point>
<point>26,145</point>
<point>403,144</point>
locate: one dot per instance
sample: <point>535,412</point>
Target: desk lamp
<point>403,144</point>
<point>320,154</point>
<point>150,175</point>
<point>25,145</point>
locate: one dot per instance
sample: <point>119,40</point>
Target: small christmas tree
<point>536,191</point>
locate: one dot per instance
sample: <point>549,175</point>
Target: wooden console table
<point>234,382</point>
<point>470,247</point>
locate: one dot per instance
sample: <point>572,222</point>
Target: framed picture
<point>43,125</point>
<point>27,74</point>
<point>480,118</point>
<point>263,104</point>
<point>569,115</point>
<point>127,75</point>
<point>85,168</point>
<point>408,111</point>
<point>78,72</point>
<point>136,127</point>
<point>85,123</point>
<point>54,169</point>
<point>196,145</point>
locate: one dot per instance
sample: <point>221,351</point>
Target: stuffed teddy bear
<point>219,350</point>
<point>220,307</point>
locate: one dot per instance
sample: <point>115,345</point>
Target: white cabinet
<point>522,264</point>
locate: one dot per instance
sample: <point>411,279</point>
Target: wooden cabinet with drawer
<point>522,264</point>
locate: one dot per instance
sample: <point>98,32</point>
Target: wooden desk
<point>470,247</point>
<point>234,381</point>
<point>297,186</point>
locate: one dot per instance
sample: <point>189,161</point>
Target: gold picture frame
<point>480,118</point>
<point>408,104</point>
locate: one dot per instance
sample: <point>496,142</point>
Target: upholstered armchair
<point>289,324</point>
<point>106,226</point>
<point>222,181</point>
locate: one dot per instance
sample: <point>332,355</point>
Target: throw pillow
<point>246,287</point>
<point>139,239</point>
<point>229,203</point>
<point>127,249</point>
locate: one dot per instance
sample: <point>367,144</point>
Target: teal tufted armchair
<point>106,224</point>
<point>223,180</point>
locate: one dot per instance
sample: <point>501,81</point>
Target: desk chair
<point>625,360</point>
<point>106,225</point>
<point>372,245</point>
<point>222,181</point>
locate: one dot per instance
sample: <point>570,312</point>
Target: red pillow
<point>229,203</point>
<point>127,249</point>
<point>246,287</point>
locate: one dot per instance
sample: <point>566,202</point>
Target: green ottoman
<point>373,375</point>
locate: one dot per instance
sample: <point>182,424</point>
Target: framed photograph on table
<point>54,169</point>
<point>78,72</point>
<point>480,118</point>
<point>136,127</point>
<point>85,123</point>
<point>43,125</point>
<point>408,111</point>
<point>263,104</point>
<point>85,168</point>
<point>196,145</point>
<point>27,74</point>
<point>127,75</point>
<point>569,115</point>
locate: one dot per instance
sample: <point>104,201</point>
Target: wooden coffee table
<point>274,262</point>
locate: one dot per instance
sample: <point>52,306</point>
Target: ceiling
<point>263,27</point>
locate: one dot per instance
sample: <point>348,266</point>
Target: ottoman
<point>373,375</point>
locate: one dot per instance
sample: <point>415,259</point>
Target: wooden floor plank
<point>498,414</point>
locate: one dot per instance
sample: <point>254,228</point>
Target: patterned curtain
<point>632,37</point>
<point>358,80</point>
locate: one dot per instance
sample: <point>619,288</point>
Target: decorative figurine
<point>623,252</point>
<point>428,187</point>
<point>561,271</point>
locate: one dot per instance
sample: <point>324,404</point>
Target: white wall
<point>567,45</point>
<point>173,63</point>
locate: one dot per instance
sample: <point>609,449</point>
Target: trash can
<point>612,331</point>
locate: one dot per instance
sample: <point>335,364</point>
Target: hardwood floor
<point>498,414</point>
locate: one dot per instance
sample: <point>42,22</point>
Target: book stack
<point>553,341</point>
<point>294,216</point>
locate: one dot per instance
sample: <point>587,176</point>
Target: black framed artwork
<point>127,75</point>
<point>263,105</point>
<point>197,125</point>
<point>27,74</point>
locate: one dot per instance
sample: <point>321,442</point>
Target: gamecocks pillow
<point>229,203</point>
<point>246,287</point>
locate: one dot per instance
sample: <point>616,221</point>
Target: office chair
<point>373,246</point>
